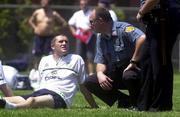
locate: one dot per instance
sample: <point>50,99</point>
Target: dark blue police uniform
<point>115,51</point>
<point>162,28</point>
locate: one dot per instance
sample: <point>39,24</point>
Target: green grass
<point>80,108</point>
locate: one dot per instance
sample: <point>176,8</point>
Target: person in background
<point>107,4</point>
<point>85,39</point>
<point>34,78</point>
<point>43,21</point>
<point>6,90</point>
<point>118,53</point>
<point>161,19</point>
<point>10,75</point>
<point>60,75</point>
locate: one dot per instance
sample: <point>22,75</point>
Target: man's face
<point>95,22</point>
<point>101,5</point>
<point>44,3</point>
<point>83,4</point>
<point>61,45</point>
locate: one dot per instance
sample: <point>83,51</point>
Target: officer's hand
<point>131,66</point>
<point>104,81</point>
<point>139,17</point>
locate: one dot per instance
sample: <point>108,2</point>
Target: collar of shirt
<point>114,32</point>
<point>114,29</point>
<point>63,59</point>
<point>114,26</point>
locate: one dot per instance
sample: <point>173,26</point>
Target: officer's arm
<point>137,53</point>
<point>100,69</point>
<point>138,47</point>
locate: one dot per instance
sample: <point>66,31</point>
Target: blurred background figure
<point>6,90</point>
<point>34,77</point>
<point>85,39</point>
<point>43,21</point>
<point>10,74</point>
<point>15,79</point>
<point>107,4</point>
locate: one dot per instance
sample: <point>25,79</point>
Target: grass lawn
<point>80,108</point>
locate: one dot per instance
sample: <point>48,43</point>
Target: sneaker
<point>123,104</point>
<point>153,110</point>
<point>2,102</point>
<point>132,108</point>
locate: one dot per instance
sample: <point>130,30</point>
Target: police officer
<point>161,18</point>
<point>118,52</point>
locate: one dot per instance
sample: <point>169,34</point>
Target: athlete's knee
<point>30,101</point>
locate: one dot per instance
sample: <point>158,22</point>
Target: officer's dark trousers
<point>110,97</point>
<point>157,82</point>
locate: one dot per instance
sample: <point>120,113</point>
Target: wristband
<point>133,61</point>
<point>140,13</point>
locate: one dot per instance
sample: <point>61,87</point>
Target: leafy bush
<point>16,35</point>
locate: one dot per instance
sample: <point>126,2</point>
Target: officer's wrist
<point>133,62</point>
<point>140,13</point>
<point>99,73</point>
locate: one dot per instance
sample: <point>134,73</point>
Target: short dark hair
<point>103,13</point>
<point>55,37</point>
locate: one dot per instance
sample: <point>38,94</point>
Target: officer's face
<point>95,22</point>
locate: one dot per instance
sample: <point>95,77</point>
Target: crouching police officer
<point>118,47</point>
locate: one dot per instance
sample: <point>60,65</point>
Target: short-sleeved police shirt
<point>119,46</point>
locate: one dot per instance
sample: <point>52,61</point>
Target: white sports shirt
<point>2,80</point>
<point>62,76</point>
<point>80,19</point>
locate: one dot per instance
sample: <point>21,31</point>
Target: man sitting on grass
<point>60,75</point>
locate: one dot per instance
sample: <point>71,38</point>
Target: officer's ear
<point>100,20</point>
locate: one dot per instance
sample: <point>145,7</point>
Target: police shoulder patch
<point>129,29</point>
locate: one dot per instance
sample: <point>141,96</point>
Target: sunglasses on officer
<point>93,21</point>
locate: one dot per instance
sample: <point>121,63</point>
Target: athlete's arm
<point>6,90</point>
<point>88,96</point>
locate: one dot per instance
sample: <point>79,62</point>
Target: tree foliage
<point>16,34</point>
<point>14,31</point>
